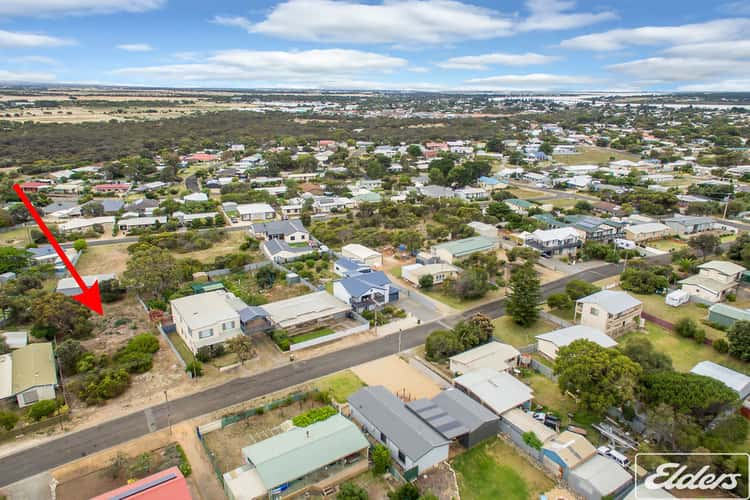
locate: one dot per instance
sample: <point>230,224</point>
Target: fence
<point>555,319</point>
<point>661,322</point>
<point>171,345</point>
<point>302,280</point>
<point>543,369</point>
<point>329,338</point>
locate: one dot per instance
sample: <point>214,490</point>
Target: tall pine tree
<point>525,295</point>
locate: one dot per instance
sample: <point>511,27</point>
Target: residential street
<point>70,447</point>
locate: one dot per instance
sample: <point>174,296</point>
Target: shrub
<point>314,415</point>
<point>731,297</point>
<point>532,440</point>
<point>281,338</point>
<point>136,362</point>
<point>184,465</point>
<point>350,491</point>
<point>144,342</point>
<point>699,336</point>
<point>426,281</point>
<point>381,459</point>
<point>79,245</point>
<point>195,367</point>
<point>42,409</point>
<point>577,289</point>
<point>8,420</point>
<point>68,353</point>
<point>686,327</point>
<point>140,467</point>
<point>90,362</point>
<point>721,345</point>
<point>560,301</point>
<point>104,384</point>
<point>442,344</point>
<point>157,304</point>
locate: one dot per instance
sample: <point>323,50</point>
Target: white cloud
<point>720,86</point>
<point>313,68</point>
<point>418,69</point>
<point>42,8</point>
<point>22,77</point>
<point>735,49</point>
<point>484,61</point>
<point>710,31</point>
<point>234,21</point>
<point>402,22</point>
<point>135,47</point>
<point>15,39</point>
<point>555,15</point>
<point>532,81</point>
<point>32,60</point>
<point>676,69</point>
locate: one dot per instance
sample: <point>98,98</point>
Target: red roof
<point>201,157</point>
<point>169,484</point>
<point>33,184</point>
<point>112,186</point>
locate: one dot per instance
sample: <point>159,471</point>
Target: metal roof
<point>297,310</point>
<point>467,246</point>
<point>731,312</point>
<point>612,301</point>
<point>604,474</point>
<point>462,408</point>
<point>500,391</point>
<point>437,418</point>
<point>565,336</point>
<point>361,283</point>
<point>285,227</point>
<point>737,381</point>
<point>33,365</point>
<point>206,309</point>
<point>389,414</point>
<point>723,266</point>
<point>302,450</point>
<point>571,448</point>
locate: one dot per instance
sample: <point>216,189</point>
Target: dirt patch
<point>104,259</point>
<point>440,480</point>
<point>398,376</point>
<point>377,487</point>
<point>226,444</point>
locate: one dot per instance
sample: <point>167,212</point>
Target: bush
<point>426,281</point>
<point>207,353</point>
<point>686,327</point>
<point>315,415</point>
<point>381,459</point>
<point>577,289</point>
<point>442,344</point>
<point>136,362</point>
<point>532,440</point>
<point>350,491</point>
<point>140,467</point>
<point>281,338</point>
<point>721,345</point>
<point>699,336</point>
<point>731,297</point>
<point>184,465</point>
<point>68,353</point>
<point>104,384</point>
<point>79,245</point>
<point>8,420</point>
<point>144,342</point>
<point>159,304</point>
<point>560,301</point>
<point>42,409</point>
<point>195,367</point>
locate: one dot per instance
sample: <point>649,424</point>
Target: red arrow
<point>90,296</point>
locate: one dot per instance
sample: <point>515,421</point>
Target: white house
<point>368,291</point>
<point>549,343</point>
<point>612,312</point>
<point>207,319</point>
<point>715,280</point>
<point>496,355</point>
<point>256,211</point>
<point>29,374</point>
<point>439,272</point>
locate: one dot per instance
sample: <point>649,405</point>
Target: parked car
<point>614,455</point>
<point>540,415</point>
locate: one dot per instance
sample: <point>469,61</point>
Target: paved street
<point>70,447</point>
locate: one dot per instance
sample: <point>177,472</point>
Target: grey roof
<point>389,415</point>
<point>723,266</point>
<point>687,220</point>
<point>604,474</point>
<point>565,336</point>
<point>463,409</point>
<point>437,418</point>
<point>361,283</point>
<point>736,381</point>
<point>249,313</point>
<point>109,205</point>
<point>284,227</point>
<point>59,205</point>
<point>614,302</point>
<point>274,247</point>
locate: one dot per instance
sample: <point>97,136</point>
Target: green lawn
<point>495,470</point>
<point>655,305</point>
<point>17,237</point>
<point>594,155</point>
<point>667,245</point>
<point>311,335</point>
<point>526,194</point>
<point>685,353</point>
<point>509,332</point>
<point>560,203</point>
<point>547,393</point>
<point>340,385</point>
<point>179,344</point>
<point>460,304</point>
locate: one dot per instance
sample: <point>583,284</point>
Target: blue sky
<point>547,45</point>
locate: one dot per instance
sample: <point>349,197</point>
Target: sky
<point>436,45</point>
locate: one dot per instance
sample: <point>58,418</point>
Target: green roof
<point>300,451</point>
<point>208,286</point>
<point>368,197</point>
<point>33,365</point>
<point>519,202</point>
<point>730,312</point>
<point>467,246</point>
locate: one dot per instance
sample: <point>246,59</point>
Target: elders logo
<point>691,476</point>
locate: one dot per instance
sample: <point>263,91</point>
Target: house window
<point>383,437</point>
<point>30,397</point>
<point>401,457</point>
<point>594,311</point>
<point>229,325</point>
<point>203,334</point>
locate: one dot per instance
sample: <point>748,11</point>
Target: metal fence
<point>661,322</point>
<point>328,338</point>
<point>543,369</point>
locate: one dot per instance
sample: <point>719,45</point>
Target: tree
<point>42,409</point>
<point>442,344</point>
<point>739,340</point>
<point>577,289</point>
<point>686,327</point>
<point>407,491</point>
<point>524,297</point>
<point>600,377</point>
<point>414,150</point>
<point>56,315</point>
<point>265,277</point>
<point>4,347</point>
<point>381,459</point>
<point>560,301</point>
<point>350,491</point>
<point>472,284</point>
<point>642,351</point>
<point>242,346</point>
<point>152,271</point>
<point>8,420</point>
<point>705,243</point>
<point>13,259</point>
<point>80,245</point>
<point>426,281</point>
<point>68,353</point>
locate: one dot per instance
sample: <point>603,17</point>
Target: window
<point>383,437</point>
<point>228,325</point>
<point>594,311</point>
<point>291,238</point>
<point>202,334</point>
<point>30,397</point>
<point>401,457</point>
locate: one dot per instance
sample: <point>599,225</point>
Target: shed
<point>498,391</point>
<point>456,416</point>
<point>361,253</point>
<point>737,381</point>
<point>549,343</point>
<point>15,340</point>
<point>567,450</point>
<point>600,477</point>
<point>69,286</point>
<point>726,315</point>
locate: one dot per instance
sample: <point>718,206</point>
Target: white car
<point>540,415</point>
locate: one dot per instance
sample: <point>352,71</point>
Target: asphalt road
<point>73,446</point>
